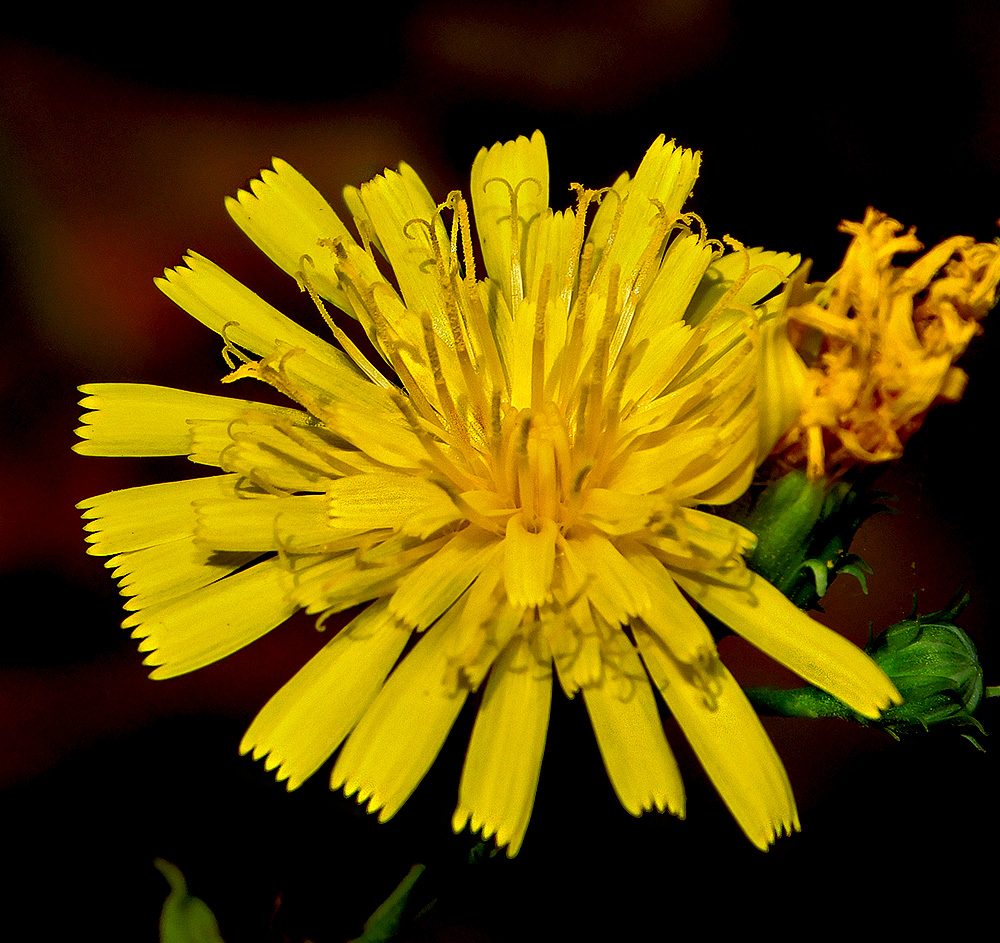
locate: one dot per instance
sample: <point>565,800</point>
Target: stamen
<point>481,334</point>
<point>525,479</point>
<point>640,274</point>
<point>449,204</point>
<point>741,279</point>
<point>440,384</point>
<point>349,347</point>
<point>288,430</point>
<point>561,445</point>
<point>541,467</point>
<point>583,201</point>
<point>391,347</point>
<point>599,364</point>
<point>574,347</point>
<point>495,437</point>
<point>612,408</point>
<point>229,461</point>
<point>612,233</point>
<point>271,370</point>
<point>538,340</point>
<point>447,271</point>
<point>473,382</point>
<point>439,460</point>
<point>476,322</point>
<point>461,214</point>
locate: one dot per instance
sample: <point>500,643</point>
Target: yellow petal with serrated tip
<point>666,175</point>
<point>727,737</point>
<point>385,500</point>
<point>228,307</point>
<point>401,733</point>
<point>629,732</point>
<point>213,622</point>
<point>134,518</point>
<point>242,522</point>
<point>288,219</point>
<point>753,273</point>
<point>301,726</point>
<point>137,419</point>
<point>439,581</point>
<point>501,769</point>
<point>772,623</point>
<point>415,241</point>
<point>514,174</point>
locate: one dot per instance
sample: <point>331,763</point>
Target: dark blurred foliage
<point>118,141</point>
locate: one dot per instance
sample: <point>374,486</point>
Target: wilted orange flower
<point>878,342</point>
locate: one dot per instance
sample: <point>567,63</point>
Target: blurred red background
<point>116,156</point>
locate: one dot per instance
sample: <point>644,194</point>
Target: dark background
<point>116,151</point>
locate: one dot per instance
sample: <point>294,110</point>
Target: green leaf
<point>385,923</point>
<point>184,919</point>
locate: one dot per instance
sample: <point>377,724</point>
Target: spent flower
<point>878,342</point>
<point>509,473</point>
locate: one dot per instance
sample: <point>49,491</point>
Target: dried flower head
<point>879,342</point>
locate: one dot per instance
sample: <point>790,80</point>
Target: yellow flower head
<point>508,471</point>
<point>880,341</point>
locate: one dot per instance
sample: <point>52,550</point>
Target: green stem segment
<point>799,702</point>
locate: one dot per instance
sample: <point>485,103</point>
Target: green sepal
<point>804,529</point>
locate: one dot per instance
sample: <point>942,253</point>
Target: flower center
<point>537,472</point>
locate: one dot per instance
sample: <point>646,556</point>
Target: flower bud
<point>935,666</point>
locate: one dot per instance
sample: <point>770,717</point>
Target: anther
<point>349,347</point>
<point>439,461</point>
<point>461,211</point>
<point>538,339</point>
<point>440,384</point>
<point>584,198</point>
<point>612,233</point>
<point>574,347</point>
